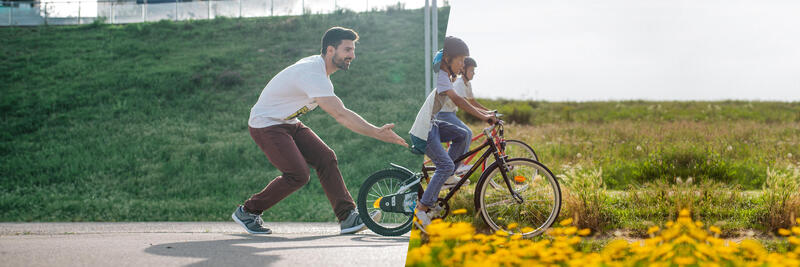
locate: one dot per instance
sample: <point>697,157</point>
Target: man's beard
<point>341,63</point>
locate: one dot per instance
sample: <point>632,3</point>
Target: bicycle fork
<point>504,171</point>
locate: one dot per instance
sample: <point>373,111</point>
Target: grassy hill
<point>148,122</point>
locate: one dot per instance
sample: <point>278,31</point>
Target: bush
<point>781,197</point>
<point>584,197</point>
<point>517,112</point>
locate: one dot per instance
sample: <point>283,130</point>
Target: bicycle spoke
<point>538,208</point>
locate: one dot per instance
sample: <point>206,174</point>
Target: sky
<point>593,50</point>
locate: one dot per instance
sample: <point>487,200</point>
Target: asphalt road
<point>193,244</point>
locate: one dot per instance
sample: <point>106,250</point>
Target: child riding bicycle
<point>428,133</point>
<point>463,88</point>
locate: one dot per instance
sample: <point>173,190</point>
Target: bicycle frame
<point>492,145</point>
<point>469,159</point>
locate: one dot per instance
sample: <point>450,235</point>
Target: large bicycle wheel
<point>514,149</point>
<point>539,203</point>
<point>377,186</point>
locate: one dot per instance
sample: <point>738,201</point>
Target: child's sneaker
<point>461,170</point>
<point>452,181</point>
<point>421,219</point>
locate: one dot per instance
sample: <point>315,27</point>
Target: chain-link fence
<point>80,12</point>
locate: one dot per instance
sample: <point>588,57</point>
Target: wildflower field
<point>633,174</point>
<point>683,242</point>
<point>629,165</point>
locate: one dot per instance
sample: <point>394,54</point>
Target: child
<point>427,133</point>
<point>463,88</point>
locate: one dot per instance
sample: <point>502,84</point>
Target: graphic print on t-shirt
<point>302,111</point>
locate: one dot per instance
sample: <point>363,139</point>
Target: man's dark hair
<point>334,36</point>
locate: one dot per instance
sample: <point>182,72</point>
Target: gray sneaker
<point>251,222</point>
<point>422,219</point>
<point>353,223</point>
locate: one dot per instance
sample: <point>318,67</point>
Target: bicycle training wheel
<point>377,186</point>
<point>514,149</point>
<point>539,203</point>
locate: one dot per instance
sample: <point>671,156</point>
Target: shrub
<point>781,197</point>
<point>517,112</point>
<point>584,196</point>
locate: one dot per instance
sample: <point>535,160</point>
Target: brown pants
<point>289,147</point>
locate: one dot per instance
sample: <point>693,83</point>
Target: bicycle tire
<point>509,211</point>
<point>390,224</point>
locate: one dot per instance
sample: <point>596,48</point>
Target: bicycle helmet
<point>453,47</point>
<point>470,62</point>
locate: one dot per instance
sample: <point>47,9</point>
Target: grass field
<point>632,161</point>
<point>148,122</point>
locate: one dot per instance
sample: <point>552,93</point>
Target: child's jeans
<point>453,119</point>
<point>442,131</point>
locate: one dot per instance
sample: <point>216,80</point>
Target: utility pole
<point>427,48</point>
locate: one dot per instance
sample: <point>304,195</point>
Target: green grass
<point>544,112</point>
<point>148,122</point>
<point>633,152</point>
<point>636,152</point>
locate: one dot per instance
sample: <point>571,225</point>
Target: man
<point>290,145</point>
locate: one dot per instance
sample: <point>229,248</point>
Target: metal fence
<point>81,12</point>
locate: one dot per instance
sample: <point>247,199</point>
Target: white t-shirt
<point>433,103</point>
<point>291,93</point>
<point>463,90</point>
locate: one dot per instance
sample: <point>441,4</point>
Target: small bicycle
<point>518,195</point>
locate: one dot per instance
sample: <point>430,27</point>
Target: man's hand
<point>386,134</point>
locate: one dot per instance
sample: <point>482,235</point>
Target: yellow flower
<point>459,211</point>
<point>570,230</point>
<point>527,229</point>
<point>715,229</point>
<point>566,222</point>
<point>794,240</point>
<point>796,230</point>
<point>699,223</point>
<point>584,232</point>
<point>784,232</point>
<point>652,229</point>
<point>684,213</point>
<point>684,260</point>
<point>512,225</point>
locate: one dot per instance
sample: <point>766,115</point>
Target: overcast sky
<point>581,50</point>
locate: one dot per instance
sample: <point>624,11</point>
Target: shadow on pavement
<point>240,251</point>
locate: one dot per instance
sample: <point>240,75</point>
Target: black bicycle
<point>517,192</point>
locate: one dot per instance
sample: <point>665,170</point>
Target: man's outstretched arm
<point>334,106</point>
